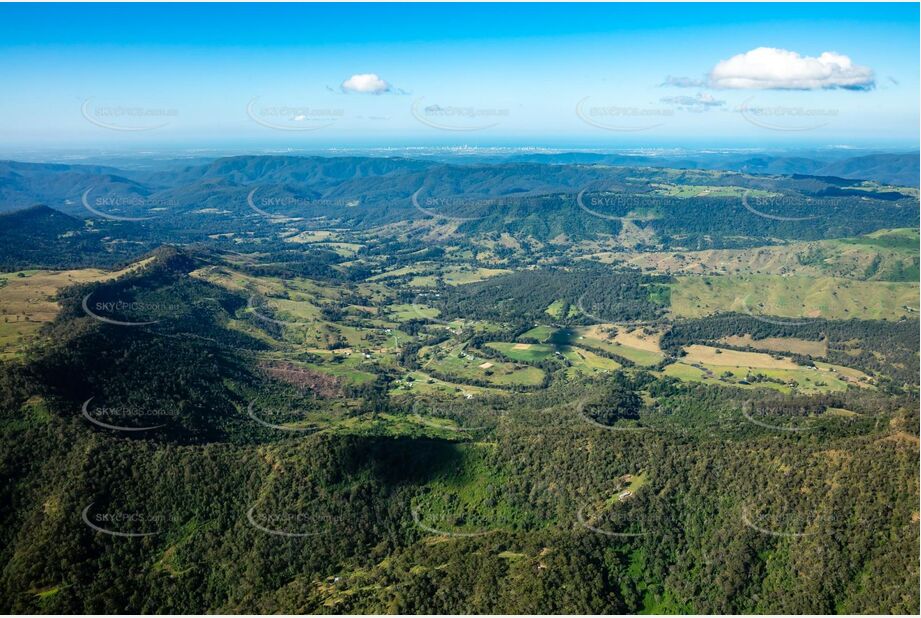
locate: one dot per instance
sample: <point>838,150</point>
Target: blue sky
<point>139,76</point>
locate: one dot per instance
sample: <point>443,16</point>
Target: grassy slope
<point>794,297</point>
<point>886,255</point>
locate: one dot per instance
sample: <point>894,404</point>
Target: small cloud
<point>701,103</point>
<point>769,68</point>
<point>684,82</point>
<point>365,83</point>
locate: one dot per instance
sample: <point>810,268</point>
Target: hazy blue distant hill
<point>899,169</point>
<point>28,184</point>
<point>238,195</point>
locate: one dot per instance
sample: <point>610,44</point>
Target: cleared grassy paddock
<point>27,301</point>
<point>540,333</point>
<point>604,337</point>
<point>757,370</point>
<point>587,362</point>
<point>794,297</point>
<point>708,355</point>
<point>464,364</point>
<point>886,255</point>
<point>529,352</point>
<point>779,344</point>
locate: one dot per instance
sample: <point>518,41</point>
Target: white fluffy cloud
<point>769,68</point>
<point>365,83</point>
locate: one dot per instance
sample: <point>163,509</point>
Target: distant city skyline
<point>136,77</point>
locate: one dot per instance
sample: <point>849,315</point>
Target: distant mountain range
<point>896,169</point>
<point>379,179</point>
<point>681,204</point>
